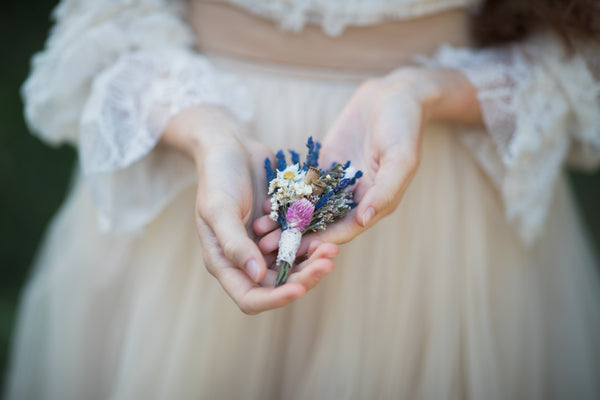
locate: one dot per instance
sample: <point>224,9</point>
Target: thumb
<point>397,168</point>
<point>232,237</point>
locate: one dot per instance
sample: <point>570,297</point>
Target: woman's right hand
<point>380,130</point>
<point>230,193</point>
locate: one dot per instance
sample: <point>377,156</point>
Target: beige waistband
<point>253,66</point>
<point>225,29</point>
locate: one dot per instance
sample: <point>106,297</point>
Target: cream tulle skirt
<point>440,300</point>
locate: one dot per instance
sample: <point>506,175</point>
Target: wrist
<point>195,130</point>
<point>445,95</point>
<point>457,100</point>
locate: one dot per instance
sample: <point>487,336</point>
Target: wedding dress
<point>481,285</point>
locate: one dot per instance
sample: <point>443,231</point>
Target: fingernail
<point>252,269</point>
<point>368,216</point>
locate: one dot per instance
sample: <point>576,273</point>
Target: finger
<point>270,259</point>
<point>242,290</point>
<point>309,249</point>
<point>311,276</point>
<point>270,278</point>
<point>309,243</point>
<point>396,170</point>
<point>252,299</point>
<point>313,246</point>
<point>266,206</point>
<point>319,250</point>
<point>340,232</point>
<point>310,272</point>
<point>270,242</point>
<point>264,225</point>
<point>269,245</point>
<point>211,252</point>
<point>232,237</point>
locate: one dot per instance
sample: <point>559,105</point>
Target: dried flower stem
<point>284,271</point>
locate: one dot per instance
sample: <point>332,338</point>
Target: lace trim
<point>334,16</point>
<point>111,76</point>
<point>288,246</point>
<point>89,37</point>
<point>132,102</point>
<point>536,103</point>
<point>130,105</point>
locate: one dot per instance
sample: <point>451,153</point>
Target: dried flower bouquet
<point>305,198</point>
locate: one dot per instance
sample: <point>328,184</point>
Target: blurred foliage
<point>34,177</point>
<point>587,192</point>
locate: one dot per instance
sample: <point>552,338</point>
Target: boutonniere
<point>305,198</point>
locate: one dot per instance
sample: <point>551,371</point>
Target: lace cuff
<point>129,107</point>
<point>538,105</point>
<point>109,79</point>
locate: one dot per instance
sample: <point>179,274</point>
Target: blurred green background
<point>34,177</point>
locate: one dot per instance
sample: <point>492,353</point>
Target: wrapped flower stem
<point>305,198</point>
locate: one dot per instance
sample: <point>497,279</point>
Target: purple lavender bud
<point>300,214</point>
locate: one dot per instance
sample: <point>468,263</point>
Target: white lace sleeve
<point>540,107</point>
<point>112,75</point>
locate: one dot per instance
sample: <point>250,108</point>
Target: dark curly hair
<point>502,21</point>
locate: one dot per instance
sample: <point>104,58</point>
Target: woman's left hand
<point>380,131</point>
<point>230,169</point>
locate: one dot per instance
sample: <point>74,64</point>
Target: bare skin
<point>380,131</point>
<point>230,166</point>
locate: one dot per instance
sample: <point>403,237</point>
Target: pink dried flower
<point>300,214</point>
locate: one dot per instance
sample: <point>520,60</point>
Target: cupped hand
<point>380,132</point>
<point>231,182</point>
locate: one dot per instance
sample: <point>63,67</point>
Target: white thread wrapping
<point>288,246</point>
